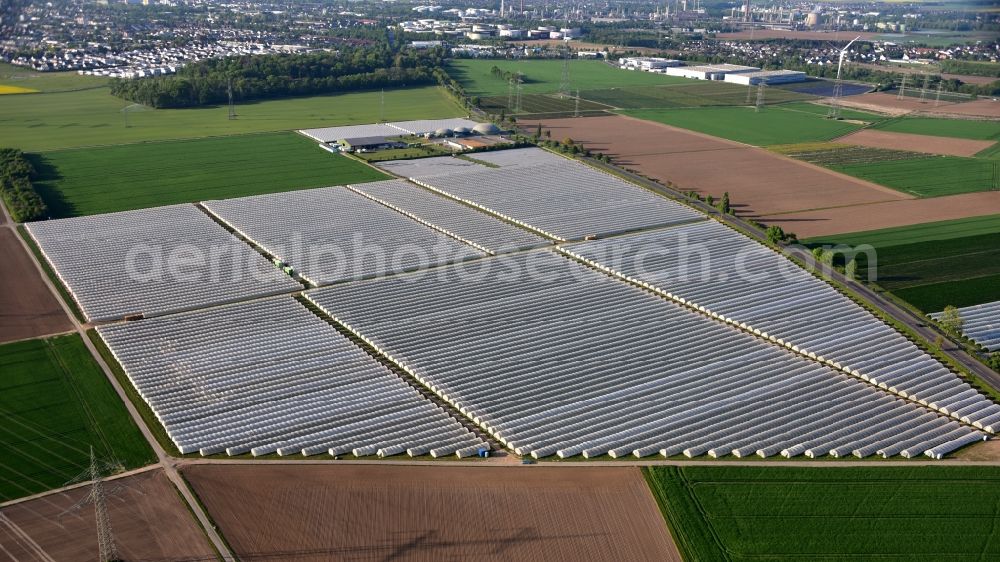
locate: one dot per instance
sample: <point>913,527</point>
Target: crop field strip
<point>152,262</point>
<point>980,323</point>
<point>940,127</point>
<point>460,221</point>
<point>334,234</point>
<point>551,195</point>
<point>742,514</point>
<point>543,76</point>
<point>764,293</point>
<point>933,265</point>
<point>399,128</point>
<point>553,358</point>
<point>693,93</point>
<point>916,173</point>
<point>542,104</point>
<point>271,377</point>
<point>119,178</point>
<point>780,124</point>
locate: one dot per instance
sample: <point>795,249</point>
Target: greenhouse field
<point>830,514</point>
<point>102,180</point>
<point>56,404</point>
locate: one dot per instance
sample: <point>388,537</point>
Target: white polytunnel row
<point>153,261</point>
<point>980,323</point>
<point>333,234</point>
<point>553,358</point>
<point>393,129</point>
<point>460,221</point>
<point>729,276</point>
<point>269,376</point>
<point>554,196</point>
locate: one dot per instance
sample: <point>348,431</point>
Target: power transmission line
<point>232,106</point>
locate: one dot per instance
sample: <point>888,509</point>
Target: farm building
<point>369,143</point>
<point>766,77</point>
<point>709,72</point>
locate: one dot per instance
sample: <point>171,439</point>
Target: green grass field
<point>101,180</point>
<point>830,514</point>
<point>545,76</point>
<point>93,117</point>
<point>954,128</point>
<point>936,264</point>
<point>19,77</point>
<point>690,93</point>
<point>56,403</point>
<point>784,124</point>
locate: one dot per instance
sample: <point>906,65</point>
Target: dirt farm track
<point>800,197</point>
<point>149,520</point>
<point>27,308</point>
<point>343,512</point>
<point>875,138</point>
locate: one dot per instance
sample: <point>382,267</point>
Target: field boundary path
<point>165,461</point>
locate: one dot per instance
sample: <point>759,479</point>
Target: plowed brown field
<point>27,307</point>
<point>148,518</point>
<point>366,512</point>
<point>759,182</point>
<point>886,215</point>
<point>887,103</point>
<point>800,197</point>
<point>977,108</point>
<point>875,138</point>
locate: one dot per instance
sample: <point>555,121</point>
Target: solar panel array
<point>271,377</point>
<point>333,234</point>
<point>555,196</point>
<point>460,221</point>
<point>153,261</point>
<point>729,276</point>
<point>551,357</point>
<point>395,129</point>
<point>980,323</point>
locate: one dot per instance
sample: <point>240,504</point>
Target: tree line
<point>275,76</point>
<point>18,193</point>
<point>506,75</point>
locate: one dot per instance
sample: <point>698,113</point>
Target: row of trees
<point>16,188</point>
<point>273,76</point>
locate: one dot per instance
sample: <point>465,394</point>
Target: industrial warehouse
<point>737,74</point>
